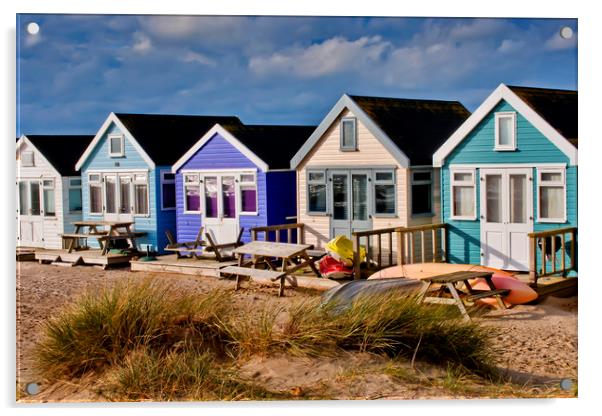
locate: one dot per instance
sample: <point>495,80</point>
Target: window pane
<point>463,177</point>
<point>49,183</point>
<point>348,134</point>
<point>125,204</point>
<point>191,178</point>
<point>49,207</point>
<point>463,197</point>
<point>552,202</point>
<point>494,200</point>
<point>27,159</point>
<point>141,206</point>
<point>518,200</point>
<point>384,176</point>
<point>339,197</point>
<point>34,191</point>
<point>422,176</point>
<point>116,145</point>
<point>211,197</point>
<point>169,176</point>
<point>228,197</point>
<point>75,182</point>
<point>248,193</point>
<point>23,203</point>
<point>95,178</point>
<point>247,178</point>
<point>316,176</point>
<point>421,199</point>
<point>505,131</point>
<point>384,199</point>
<point>551,177</point>
<point>110,200</point>
<point>317,197</point>
<point>95,198</point>
<point>75,199</point>
<point>193,198</point>
<point>168,191</point>
<point>360,197</point>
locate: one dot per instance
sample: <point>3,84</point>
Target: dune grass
<point>149,341</point>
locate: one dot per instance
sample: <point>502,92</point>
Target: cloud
<point>198,58</point>
<point>557,42</point>
<point>510,45</point>
<point>142,43</point>
<point>331,56</point>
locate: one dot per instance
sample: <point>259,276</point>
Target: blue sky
<point>270,70</point>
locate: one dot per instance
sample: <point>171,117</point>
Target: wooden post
<point>434,237</point>
<point>368,251</point>
<point>533,259</point>
<point>411,247</point>
<point>379,246</point>
<point>277,235</point>
<point>573,248</point>
<point>253,235</point>
<point>422,247</point>
<point>553,253</point>
<point>356,258</point>
<point>563,253</point>
<point>400,248</point>
<point>543,256</point>
<point>390,248</point>
<point>301,234</point>
<point>289,235</point>
<point>444,258</point>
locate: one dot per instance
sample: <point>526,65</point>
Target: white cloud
<point>31,40</point>
<point>557,42</point>
<point>198,58</point>
<point>333,55</point>
<point>510,45</point>
<point>142,43</point>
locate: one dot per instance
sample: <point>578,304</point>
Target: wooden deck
<point>25,254</point>
<point>552,285</point>
<point>171,264</point>
<point>91,257</point>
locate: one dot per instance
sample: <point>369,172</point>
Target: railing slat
<point>563,261</point>
<point>390,249</point>
<point>380,251</point>
<point>422,247</point>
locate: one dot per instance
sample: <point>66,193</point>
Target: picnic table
<point>292,257</point>
<point>452,282</point>
<point>112,231</point>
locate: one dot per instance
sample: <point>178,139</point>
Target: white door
<point>30,223</point>
<point>118,201</point>
<point>220,207</point>
<point>506,218</point>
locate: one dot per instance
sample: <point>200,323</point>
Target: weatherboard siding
<point>533,148</point>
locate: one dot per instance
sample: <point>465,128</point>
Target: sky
<point>270,70</point>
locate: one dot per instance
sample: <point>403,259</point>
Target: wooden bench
<point>255,274</point>
<point>486,294</point>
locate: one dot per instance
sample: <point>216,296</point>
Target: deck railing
<point>374,262</point>
<point>283,233</point>
<point>546,247</point>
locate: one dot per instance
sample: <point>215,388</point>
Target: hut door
<point>221,216</point>
<point>350,202</point>
<point>506,218</point>
<point>30,227</point>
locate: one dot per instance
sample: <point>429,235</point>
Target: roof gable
<point>61,151</point>
<point>527,110</point>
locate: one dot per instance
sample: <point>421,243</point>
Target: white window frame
<point>70,187</point>
<point>353,147</point>
<point>44,187</point>
<point>421,182</point>
<point>391,181</point>
<point>541,184</point>
<point>99,183</point>
<point>505,147</point>
<point>240,184</point>
<point>473,183</point>
<point>140,179</point>
<point>121,138</point>
<point>167,182</point>
<point>192,183</point>
<point>324,182</point>
<point>27,159</point>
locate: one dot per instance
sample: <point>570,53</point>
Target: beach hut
<point>49,192</point>
<point>509,170</point>
<point>126,170</point>
<point>368,165</point>
<point>237,177</point>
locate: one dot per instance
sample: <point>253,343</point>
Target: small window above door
<point>116,145</point>
<point>349,134</point>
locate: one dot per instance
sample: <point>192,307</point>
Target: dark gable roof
<point>275,145</point>
<point>557,107</point>
<point>62,152</point>
<point>165,138</point>
<point>417,127</point>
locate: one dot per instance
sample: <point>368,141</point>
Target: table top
<point>458,276</point>
<point>271,249</point>
<point>109,223</point>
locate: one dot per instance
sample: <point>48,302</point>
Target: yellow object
<point>341,248</point>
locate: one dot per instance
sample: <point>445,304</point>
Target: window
<point>27,159</point>
<point>463,195</point>
<point>110,194</point>
<point>192,193</point>
<point>422,192</point>
<point>116,145</point>
<point>95,188</point>
<point>348,134</point>
<point>316,192</point>
<point>125,197</point>
<point>551,191</point>
<point>384,192</point>
<point>23,201</point>
<point>168,190</point>
<point>505,131</point>
<point>48,197</point>
<point>34,195</point>
<point>211,192</point>
<point>140,195</point>
<point>248,193</point>
<point>75,195</point>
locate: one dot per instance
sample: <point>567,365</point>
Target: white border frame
<point>122,144</point>
<point>99,182</point>
<point>453,183</point>
<point>238,184</point>
<point>198,185</point>
<point>354,146</point>
<point>505,147</point>
<point>392,181</point>
<point>562,172</point>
